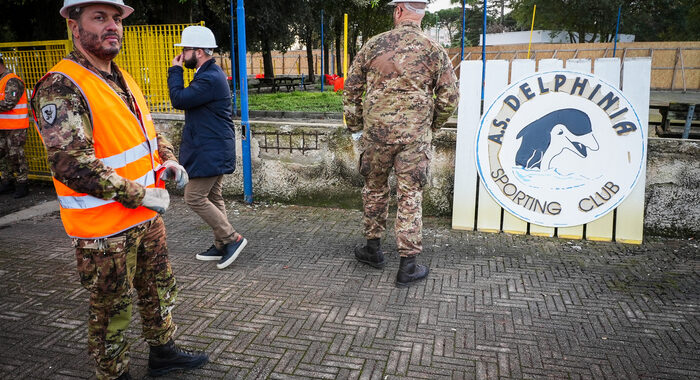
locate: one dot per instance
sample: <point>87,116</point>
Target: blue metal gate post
<point>483,53</point>
<point>233,62</point>
<point>688,121</point>
<point>617,29</point>
<point>464,26</point>
<point>245,124</point>
<point>323,51</point>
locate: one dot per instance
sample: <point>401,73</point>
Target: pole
<point>464,26</point>
<point>323,52</point>
<point>245,124</point>
<point>233,63</point>
<point>483,52</point>
<point>532,28</point>
<point>617,29</point>
<point>345,58</point>
<point>345,48</point>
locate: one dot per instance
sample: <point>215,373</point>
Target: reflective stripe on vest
<point>17,117</point>
<point>88,201</point>
<point>123,142</point>
<point>122,159</point>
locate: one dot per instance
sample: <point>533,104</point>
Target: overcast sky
<point>436,5</point>
<point>440,4</point>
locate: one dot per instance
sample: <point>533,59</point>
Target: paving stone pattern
<point>296,305</point>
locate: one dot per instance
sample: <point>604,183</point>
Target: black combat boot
<point>6,186</point>
<point>169,357</point>
<point>410,272</point>
<point>21,190</point>
<point>371,254</point>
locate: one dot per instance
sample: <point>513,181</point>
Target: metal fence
<point>147,52</point>
<point>31,60</point>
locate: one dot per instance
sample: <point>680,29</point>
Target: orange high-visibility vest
<point>123,141</point>
<point>18,117</point>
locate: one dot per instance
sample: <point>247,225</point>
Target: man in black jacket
<point>208,142</point>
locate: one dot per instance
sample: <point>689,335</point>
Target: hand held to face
<point>156,199</point>
<point>177,61</point>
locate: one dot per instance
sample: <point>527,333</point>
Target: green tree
<point>583,20</point>
<point>369,18</point>
<point>450,19</point>
<point>269,27</point>
<point>590,20</point>
<point>662,20</point>
<point>473,25</point>
<point>31,20</point>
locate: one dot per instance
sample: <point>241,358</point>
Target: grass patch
<point>327,101</point>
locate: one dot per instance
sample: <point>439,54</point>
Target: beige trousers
<point>203,195</point>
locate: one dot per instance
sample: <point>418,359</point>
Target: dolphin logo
<point>548,136</point>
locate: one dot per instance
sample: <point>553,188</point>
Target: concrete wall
<point>325,173</point>
<point>673,188</point>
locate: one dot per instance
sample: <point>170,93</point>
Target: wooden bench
<point>292,83</point>
<point>261,83</point>
<point>289,83</point>
<point>276,83</point>
<point>679,120</point>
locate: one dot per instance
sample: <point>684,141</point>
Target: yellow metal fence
<point>30,61</point>
<point>147,52</point>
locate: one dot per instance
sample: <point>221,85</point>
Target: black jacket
<point>208,147</point>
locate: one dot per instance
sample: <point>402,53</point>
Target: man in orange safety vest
<point>14,120</point>
<point>107,160</point>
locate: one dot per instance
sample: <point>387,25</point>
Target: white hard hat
<point>68,4</point>
<point>197,37</point>
<point>394,2</point>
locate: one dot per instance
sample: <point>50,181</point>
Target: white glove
<point>356,136</point>
<point>156,199</point>
<point>175,171</point>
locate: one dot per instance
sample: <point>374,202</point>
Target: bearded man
<point>105,156</point>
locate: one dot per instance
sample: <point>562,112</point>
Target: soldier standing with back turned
<point>105,156</point>
<point>409,92</point>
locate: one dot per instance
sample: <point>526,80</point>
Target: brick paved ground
<point>296,305</point>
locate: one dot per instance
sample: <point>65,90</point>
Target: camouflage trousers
<point>12,159</point>
<point>410,163</point>
<point>110,269</point>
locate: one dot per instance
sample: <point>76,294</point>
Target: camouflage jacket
<point>68,137</point>
<point>408,83</point>
<point>13,92</point>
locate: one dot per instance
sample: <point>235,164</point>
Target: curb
<point>28,213</point>
<point>295,115</point>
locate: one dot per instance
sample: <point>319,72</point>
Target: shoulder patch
<point>48,113</point>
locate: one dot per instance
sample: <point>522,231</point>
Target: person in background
<point>208,148</point>
<point>107,159</point>
<point>400,89</point>
<point>14,121</point>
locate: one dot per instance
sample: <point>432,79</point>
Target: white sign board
<point>560,148</point>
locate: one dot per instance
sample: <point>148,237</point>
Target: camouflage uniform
<point>12,159</point>
<point>409,92</point>
<point>109,268</point>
